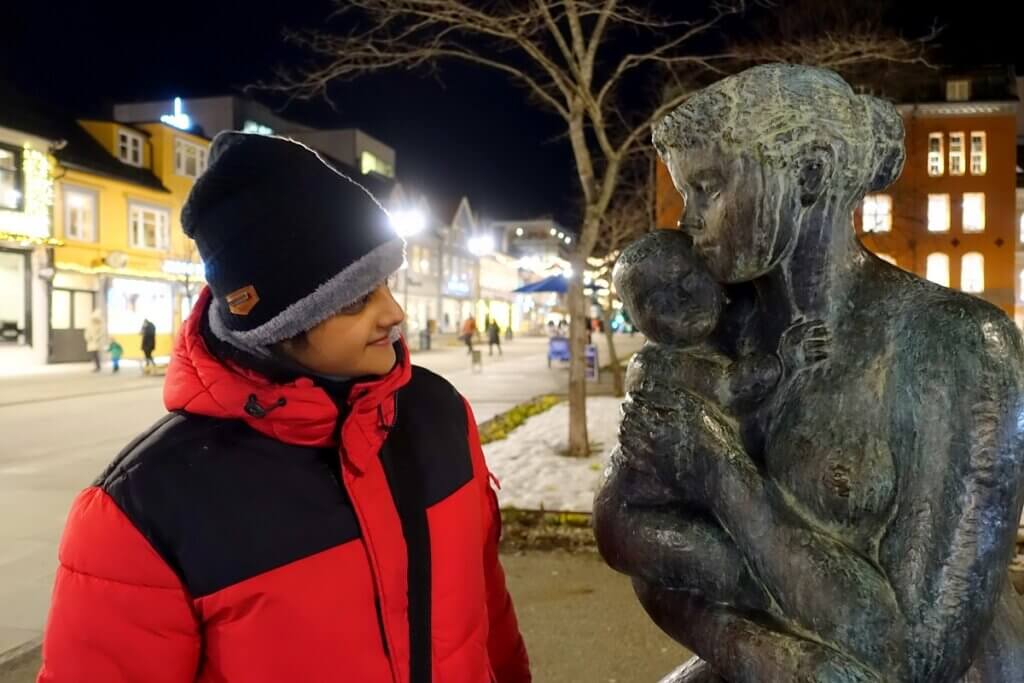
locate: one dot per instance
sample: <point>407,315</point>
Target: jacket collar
<point>297,412</point>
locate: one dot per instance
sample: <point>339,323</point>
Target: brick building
<point>952,216</point>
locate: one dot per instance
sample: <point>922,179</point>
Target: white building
<point>26,229</point>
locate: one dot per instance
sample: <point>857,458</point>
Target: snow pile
<point>532,470</point>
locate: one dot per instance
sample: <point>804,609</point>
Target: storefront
<point>499,277</point>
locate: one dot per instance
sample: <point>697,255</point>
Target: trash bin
<point>424,340</point>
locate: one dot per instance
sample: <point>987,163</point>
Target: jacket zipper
<point>343,413</point>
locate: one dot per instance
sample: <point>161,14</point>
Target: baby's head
<point>666,289</point>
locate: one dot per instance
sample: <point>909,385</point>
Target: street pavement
<point>59,428</point>
<point>580,621</point>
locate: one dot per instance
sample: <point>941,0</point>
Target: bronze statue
<point>820,478</point>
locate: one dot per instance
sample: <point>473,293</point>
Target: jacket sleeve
<point>505,646</point>
<point>118,613</point>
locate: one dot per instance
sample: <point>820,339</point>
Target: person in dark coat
<point>148,341</point>
<point>493,337</point>
<point>312,507</point>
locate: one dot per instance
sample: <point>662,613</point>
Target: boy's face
<point>355,342</point>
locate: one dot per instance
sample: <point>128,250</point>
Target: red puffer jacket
<point>232,543</point>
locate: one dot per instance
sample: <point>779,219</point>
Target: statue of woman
<point>857,522</point>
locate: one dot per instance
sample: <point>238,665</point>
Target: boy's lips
<point>380,342</point>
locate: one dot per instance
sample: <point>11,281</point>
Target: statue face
<point>740,214</point>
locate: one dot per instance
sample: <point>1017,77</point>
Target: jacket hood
<point>299,412</point>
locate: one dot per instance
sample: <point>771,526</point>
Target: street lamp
<point>407,222</point>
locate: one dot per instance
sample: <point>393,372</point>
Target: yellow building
<point>117,208</point>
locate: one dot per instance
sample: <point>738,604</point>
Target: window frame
<point>980,258</point>
<point>163,232</point>
<point>927,269</point>
<point>959,156</point>
<point>963,213</point>
<point>958,89</point>
<point>181,146</point>
<point>936,158</point>
<point>19,178</point>
<point>126,136</point>
<point>875,200</point>
<point>94,196</point>
<point>929,212</point>
<point>981,155</point>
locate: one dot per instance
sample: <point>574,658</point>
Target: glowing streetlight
<point>568,240</point>
<point>483,244</point>
<point>519,232</point>
<point>553,232</point>
<point>408,222</point>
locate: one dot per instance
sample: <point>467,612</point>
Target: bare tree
<point>629,216</point>
<point>572,56</point>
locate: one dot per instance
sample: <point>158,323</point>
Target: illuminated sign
<point>179,119</point>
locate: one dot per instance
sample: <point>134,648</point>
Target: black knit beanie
<point>287,240</point>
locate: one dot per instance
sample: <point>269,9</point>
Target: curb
<point>12,658</point>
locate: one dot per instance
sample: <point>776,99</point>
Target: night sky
<point>472,133</point>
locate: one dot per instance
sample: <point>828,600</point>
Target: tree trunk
<point>613,357</point>
<point>579,444</point>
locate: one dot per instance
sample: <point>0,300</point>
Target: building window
<point>877,215</point>
<point>129,147</point>
<point>979,159</point>
<point>80,212</point>
<point>972,273</point>
<point>369,163</point>
<point>958,90</point>
<point>956,154</point>
<point>11,179</point>
<point>251,126</point>
<point>938,212</point>
<point>149,227</point>
<point>974,212</point>
<point>937,268</point>
<point>425,258</point>
<point>935,154</point>
<point>189,158</point>
<point>886,257</point>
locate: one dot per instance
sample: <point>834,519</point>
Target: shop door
<point>70,311</point>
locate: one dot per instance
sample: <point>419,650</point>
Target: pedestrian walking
<point>312,507</point>
<point>468,332</point>
<point>115,350</point>
<point>148,342</point>
<point>493,338</point>
<point>94,334</point>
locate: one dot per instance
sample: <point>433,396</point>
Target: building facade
<point>26,237</point>
<point>951,217</point>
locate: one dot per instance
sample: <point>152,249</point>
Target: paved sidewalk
<point>62,426</point>
<point>580,621</point>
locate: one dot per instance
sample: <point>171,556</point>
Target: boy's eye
<point>356,306</point>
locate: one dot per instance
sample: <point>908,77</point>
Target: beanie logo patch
<point>243,300</point>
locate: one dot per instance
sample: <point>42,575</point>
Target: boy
<point>115,350</point>
<point>313,508</point>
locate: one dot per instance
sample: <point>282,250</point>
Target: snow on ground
<point>533,473</point>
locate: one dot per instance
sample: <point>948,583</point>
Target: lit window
<point>371,164</point>
<point>10,179</point>
<point>972,273</point>
<point>149,227</point>
<point>974,212</point>
<point>425,257</point>
<point>887,258</point>
<point>877,214</point>
<point>935,154</point>
<point>79,214</point>
<point>958,90</point>
<point>937,269</point>
<point>129,147</point>
<point>979,159</point>
<point>251,126</point>
<point>938,212</point>
<point>189,158</point>
<point>956,154</point>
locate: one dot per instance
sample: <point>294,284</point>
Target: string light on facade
<point>35,166</point>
